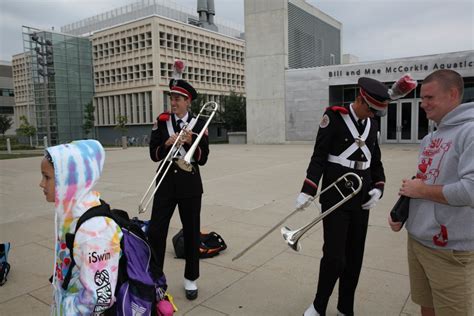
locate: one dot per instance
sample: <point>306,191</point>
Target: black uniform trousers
<point>345,231</point>
<point>189,213</point>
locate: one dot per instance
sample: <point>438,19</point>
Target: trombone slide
<point>289,235</point>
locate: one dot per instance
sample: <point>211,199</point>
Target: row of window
<point>122,45</point>
<point>196,47</point>
<point>6,110</point>
<point>4,92</point>
<point>132,39</point>
<point>122,49</point>
<point>126,73</point>
<point>137,107</point>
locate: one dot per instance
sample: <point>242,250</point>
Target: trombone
<point>172,155</point>
<point>292,237</point>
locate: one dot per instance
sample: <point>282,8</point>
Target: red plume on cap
<point>402,87</point>
<point>178,69</point>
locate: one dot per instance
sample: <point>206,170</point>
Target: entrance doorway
<point>405,122</point>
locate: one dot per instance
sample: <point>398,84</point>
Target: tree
<point>26,129</point>
<point>5,123</point>
<point>233,112</point>
<point>121,126</point>
<point>89,119</point>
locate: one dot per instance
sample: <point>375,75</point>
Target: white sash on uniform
<point>169,126</point>
<point>342,159</point>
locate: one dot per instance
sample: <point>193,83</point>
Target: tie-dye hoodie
<point>77,168</point>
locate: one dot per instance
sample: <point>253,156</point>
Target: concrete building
<point>133,65</point>
<point>7,95</point>
<point>23,86</point>
<point>281,35</point>
<point>293,98</point>
<point>133,50</point>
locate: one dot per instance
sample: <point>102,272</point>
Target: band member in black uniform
<point>179,187</point>
<point>346,142</point>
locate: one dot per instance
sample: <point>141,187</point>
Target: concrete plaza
<point>247,190</point>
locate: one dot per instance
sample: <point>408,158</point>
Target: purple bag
<point>137,295</point>
<point>140,283</point>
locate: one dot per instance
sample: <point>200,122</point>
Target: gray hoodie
<point>447,158</point>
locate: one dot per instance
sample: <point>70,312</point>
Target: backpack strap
<point>101,210</point>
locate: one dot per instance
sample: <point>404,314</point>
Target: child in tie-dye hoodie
<point>69,173</point>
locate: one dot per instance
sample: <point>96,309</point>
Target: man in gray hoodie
<point>441,218</point>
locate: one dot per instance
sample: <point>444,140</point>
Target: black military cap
<point>182,87</point>
<point>375,94</point>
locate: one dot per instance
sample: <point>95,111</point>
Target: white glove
<point>303,200</point>
<point>375,195</point>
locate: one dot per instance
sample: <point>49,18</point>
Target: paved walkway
<point>247,190</point>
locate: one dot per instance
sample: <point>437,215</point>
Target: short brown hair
<point>448,79</point>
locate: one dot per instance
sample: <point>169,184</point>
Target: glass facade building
<point>62,82</point>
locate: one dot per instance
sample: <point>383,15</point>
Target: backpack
<point>211,245</point>
<point>141,285</point>
<point>4,265</point>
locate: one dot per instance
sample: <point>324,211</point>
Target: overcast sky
<point>372,29</point>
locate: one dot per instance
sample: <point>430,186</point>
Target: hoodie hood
<point>77,168</point>
<point>461,114</point>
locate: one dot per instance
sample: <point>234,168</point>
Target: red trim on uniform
<point>311,183</point>
<point>163,117</point>
<point>375,103</point>
<point>337,108</point>
<point>180,90</point>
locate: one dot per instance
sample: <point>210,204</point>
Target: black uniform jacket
<point>333,138</point>
<point>177,182</point>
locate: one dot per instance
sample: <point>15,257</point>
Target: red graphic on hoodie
<point>441,239</point>
<point>431,158</point>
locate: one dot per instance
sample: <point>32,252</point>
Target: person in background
<point>440,224</point>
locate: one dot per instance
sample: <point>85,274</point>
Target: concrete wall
<point>266,31</point>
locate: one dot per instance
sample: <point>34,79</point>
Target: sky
<point>372,29</point>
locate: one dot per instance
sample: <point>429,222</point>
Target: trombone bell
<point>184,165</point>
<point>287,234</point>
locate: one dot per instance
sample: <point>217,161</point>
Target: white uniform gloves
<point>303,200</point>
<point>375,195</point>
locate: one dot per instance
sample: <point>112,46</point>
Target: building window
<point>6,110</point>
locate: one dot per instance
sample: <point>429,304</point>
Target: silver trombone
<point>185,163</point>
<point>294,236</point>
<point>172,155</point>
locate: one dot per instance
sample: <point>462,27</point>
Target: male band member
<point>346,142</point>
<point>179,187</point>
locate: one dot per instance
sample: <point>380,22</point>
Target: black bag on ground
<point>211,245</point>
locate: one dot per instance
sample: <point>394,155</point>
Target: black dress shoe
<point>191,294</point>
